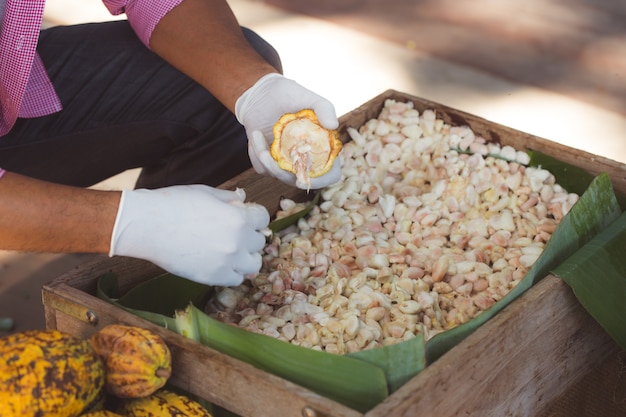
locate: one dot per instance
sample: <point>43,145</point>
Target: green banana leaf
<point>597,275</point>
<point>165,295</point>
<point>594,211</point>
<point>280,224</point>
<point>108,290</point>
<point>572,178</point>
<point>400,362</point>
<point>349,381</point>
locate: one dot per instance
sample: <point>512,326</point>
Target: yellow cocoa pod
<point>98,403</point>
<point>163,403</point>
<point>303,146</point>
<point>48,373</point>
<point>137,361</point>
<point>101,413</point>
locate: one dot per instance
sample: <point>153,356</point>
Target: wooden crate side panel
<point>600,393</point>
<point>514,365</point>
<point>84,278</point>
<point>130,271</point>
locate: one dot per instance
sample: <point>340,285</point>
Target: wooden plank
<point>601,392</point>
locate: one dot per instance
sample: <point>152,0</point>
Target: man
<point>180,90</point>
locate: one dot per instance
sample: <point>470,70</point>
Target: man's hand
<point>198,232</point>
<point>260,107</point>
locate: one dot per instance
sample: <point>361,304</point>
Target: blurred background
<point>552,68</point>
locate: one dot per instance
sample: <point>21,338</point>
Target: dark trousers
<point>125,108</point>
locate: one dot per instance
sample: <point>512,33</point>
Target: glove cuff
<point>117,226</point>
<point>121,221</point>
<point>247,98</point>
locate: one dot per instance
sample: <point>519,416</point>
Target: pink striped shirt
<point>25,88</point>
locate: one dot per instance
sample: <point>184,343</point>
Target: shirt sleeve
<point>143,15</point>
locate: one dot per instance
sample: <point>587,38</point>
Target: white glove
<point>204,234</point>
<point>260,107</point>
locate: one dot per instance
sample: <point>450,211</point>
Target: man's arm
<point>203,39</point>
<point>38,216</point>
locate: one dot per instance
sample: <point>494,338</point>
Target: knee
<point>264,49</point>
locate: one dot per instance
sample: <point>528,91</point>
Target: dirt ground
<point>23,276</point>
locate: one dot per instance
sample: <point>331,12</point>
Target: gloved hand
<point>260,107</point>
<point>204,234</point>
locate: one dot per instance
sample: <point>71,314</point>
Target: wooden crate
<point>520,363</point>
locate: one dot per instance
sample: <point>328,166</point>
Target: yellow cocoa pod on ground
<point>48,373</point>
<point>137,361</point>
<point>303,146</point>
<point>162,403</point>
